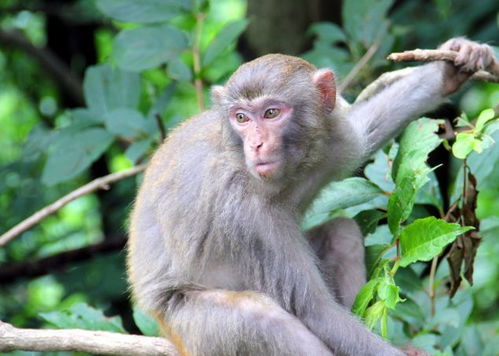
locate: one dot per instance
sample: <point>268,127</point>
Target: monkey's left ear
<point>324,81</point>
<point>217,93</point>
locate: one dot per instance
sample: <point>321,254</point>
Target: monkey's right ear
<point>217,93</point>
<point>324,81</point>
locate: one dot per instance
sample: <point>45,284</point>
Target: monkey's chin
<point>267,170</point>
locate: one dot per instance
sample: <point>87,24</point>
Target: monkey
<point>216,252</point>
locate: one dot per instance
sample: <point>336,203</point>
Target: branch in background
<point>357,67</point>
<point>76,340</point>
<point>161,127</point>
<point>196,55</point>
<point>425,55</point>
<point>99,183</point>
<point>59,71</point>
<point>58,262</point>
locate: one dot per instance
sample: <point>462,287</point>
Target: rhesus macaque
<point>216,253</point>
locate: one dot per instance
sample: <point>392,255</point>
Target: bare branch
<point>196,55</point>
<point>358,66</point>
<point>99,183</point>
<point>427,55</point>
<point>58,262</point>
<point>95,342</point>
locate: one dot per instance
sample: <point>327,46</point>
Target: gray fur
<point>218,254</point>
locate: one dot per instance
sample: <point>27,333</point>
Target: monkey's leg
<point>340,248</point>
<point>225,323</point>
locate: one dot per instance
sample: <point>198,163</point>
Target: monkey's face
<point>261,123</point>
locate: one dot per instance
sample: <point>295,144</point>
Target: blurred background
<point>88,86</point>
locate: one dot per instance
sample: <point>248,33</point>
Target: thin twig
<point>161,126</point>
<point>357,67</point>
<point>196,55</point>
<point>76,340</point>
<point>426,55</point>
<point>431,284</point>
<point>99,183</point>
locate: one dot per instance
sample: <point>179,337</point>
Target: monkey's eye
<point>271,113</point>
<point>241,118</point>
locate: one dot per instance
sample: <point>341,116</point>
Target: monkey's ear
<point>217,94</point>
<point>324,81</point>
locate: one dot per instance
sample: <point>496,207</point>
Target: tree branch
<point>99,183</point>
<point>425,55</point>
<point>58,262</point>
<point>59,71</point>
<point>358,66</point>
<point>96,342</point>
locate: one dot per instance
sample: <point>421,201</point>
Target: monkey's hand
<point>472,57</point>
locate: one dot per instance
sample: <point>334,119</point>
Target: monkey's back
<point>175,203</point>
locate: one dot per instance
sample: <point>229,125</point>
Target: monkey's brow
<point>259,102</point>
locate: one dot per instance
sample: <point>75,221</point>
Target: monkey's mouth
<point>267,169</point>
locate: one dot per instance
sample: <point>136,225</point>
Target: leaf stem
<point>196,55</point>
<point>431,284</point>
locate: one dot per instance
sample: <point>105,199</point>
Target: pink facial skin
<point>261,123</point>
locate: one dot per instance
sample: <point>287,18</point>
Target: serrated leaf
<point>145,323</point>
<point>83,316</point>
<point>368,220</point>
<point>425,238</point>
<point>127,123</point>
<point>73,152</point>
<point>339,195</point>
<point>417,141</point>
<point>379,171</point>
<point>107,89</point>
<point>147,47</point>
<point>409,169</point>
<point>365,295</point>
<point>148,11</point>
<point>224,39</point>
<point>463,145</point>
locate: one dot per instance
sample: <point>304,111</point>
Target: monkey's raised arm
<point>385,107</point>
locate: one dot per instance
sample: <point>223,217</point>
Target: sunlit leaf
<point>425,238</point>
<point>226,37</point>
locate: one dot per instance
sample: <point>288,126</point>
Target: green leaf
<point>409,170</point>
<point>374,314</point>
<point>417,141</point>
<point>389,294</point>
<point>127,123</point>
<point>83,316</point>
<point>379,171</point>
<point>365,21</point>
<point>73,152</point>
<point>224,39</point>
<point>107,89</point>
<point>148,11</point>
<point>327,32</point>
<point>147,47</point>
<point>368,220</point>
<point>426,238</point>
<point>145,323</point>
<point>484,118</point>
<point>137,150</point>
<point>339,195</point>
<point>463,145</point>
<point>179,70</point>
<point>365,295</point>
